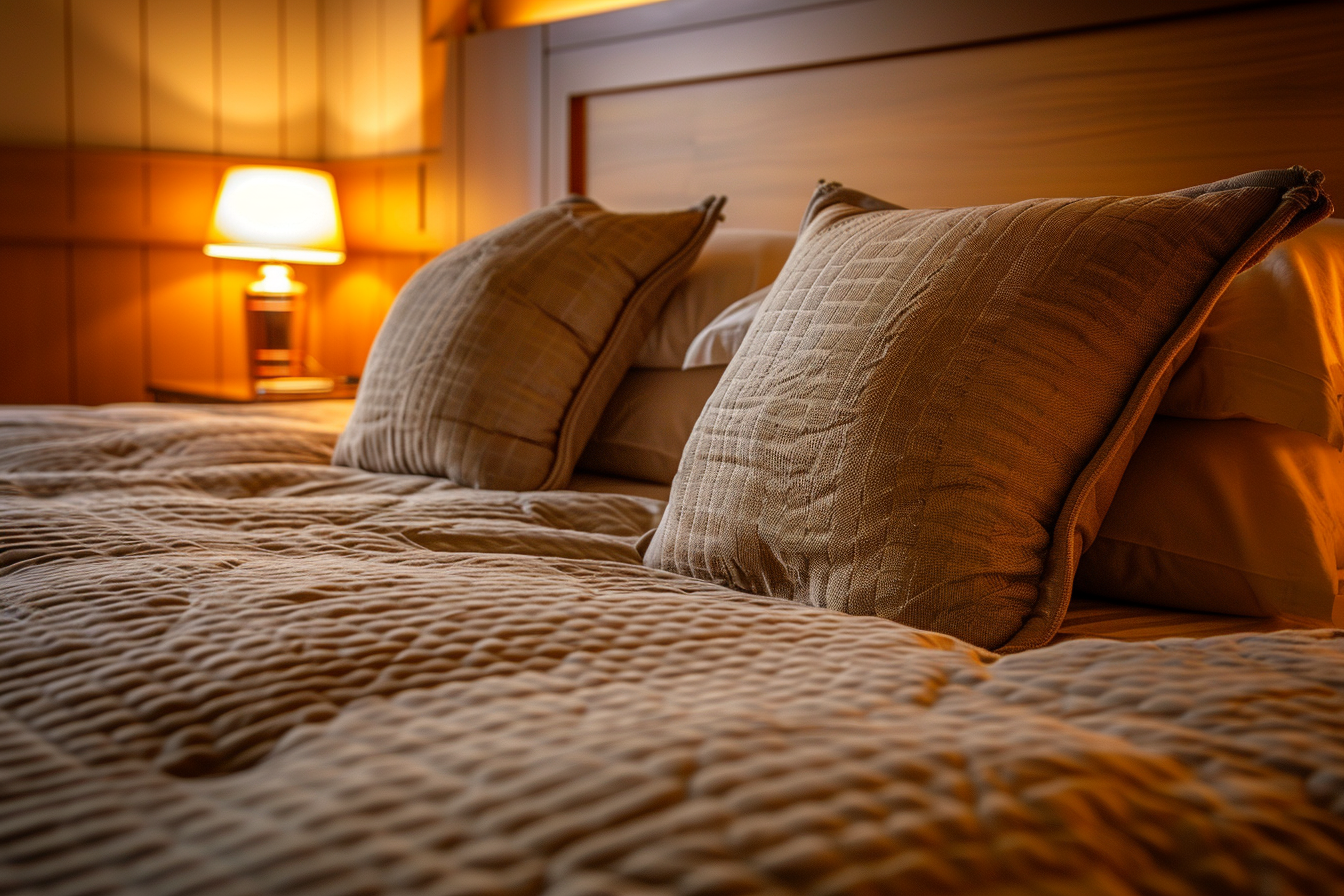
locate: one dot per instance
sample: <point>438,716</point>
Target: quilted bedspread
<point>227,667</point>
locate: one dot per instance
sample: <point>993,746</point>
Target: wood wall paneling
<point>109,323</point>
<point>439,29</point>
<point>231,279</point>
<point>182,192</point>
<point>180,75</point>
<point>372,77</point>
<point>105,64</point>
<point>401,98</point>
<point>1136,109</point>
<point>368,288</point>
<point>183,314</point>
<point>32,70</point>
<point>275,78</point>
<point>335,84</point>
<point>302,99</point>
<point>350,307</point>
<point>109,194</point>
<point>249,77</point>
<point>108,286</point>
<point>34,194</point>
<point>363,68</point>
<point>35,340</point>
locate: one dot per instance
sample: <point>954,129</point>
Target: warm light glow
<point>276,280</point>
<point>266,213</point>
<point>519,13</point>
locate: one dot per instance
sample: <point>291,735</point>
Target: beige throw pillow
<point>933,408</point>
<point>497,358</point>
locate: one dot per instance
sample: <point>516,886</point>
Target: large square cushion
<point>931,412</point>
<point>497,358</point>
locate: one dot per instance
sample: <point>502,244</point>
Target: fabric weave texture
<point>497,358</point>
<point>933,408</point>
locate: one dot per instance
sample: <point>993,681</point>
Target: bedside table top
<point>211,392</point>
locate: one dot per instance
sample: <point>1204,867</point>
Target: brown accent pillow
<point>497,358</point>
<point>933,408</point>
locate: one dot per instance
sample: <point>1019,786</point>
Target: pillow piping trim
<point>1298,208</point>
<point>571,437</point>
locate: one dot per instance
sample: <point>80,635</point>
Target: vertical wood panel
<point>232,278</point>
<point>364,76</point>
<point>33,191</point>
<point>34,342</point>
<point>32,68</point>
<point>401,89</point>
<point>353,300</point>
<point>108,325</point>
<point>249,72</point>
<point>441,191</point>
<point>106,68</point>
<point>109,190</point>
<point>180,57</point>
<point>302,90</point>
<point>335,77</point>
<point>182,195</point>
<point>182,315</point>
<point>437,30</point>
<point>401,202</point>
<point>359,192</point>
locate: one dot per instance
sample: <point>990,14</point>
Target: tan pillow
<point>497,358</point>
<point>1273,347</point>
<point>647,423</point>
<point>933,408</point>
<point>717,343</point>
<point>734,262</point>
<point>1230,516</point>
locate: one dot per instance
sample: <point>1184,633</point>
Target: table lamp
<point>277,215</point>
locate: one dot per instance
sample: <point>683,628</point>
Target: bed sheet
<point>228,667</point>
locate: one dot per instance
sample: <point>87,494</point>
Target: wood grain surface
<point>1131,109</point>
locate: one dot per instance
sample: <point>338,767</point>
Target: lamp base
<point>277,324</point>
<point>295,385</point>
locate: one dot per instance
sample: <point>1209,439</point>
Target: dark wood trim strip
<point>578,145</point>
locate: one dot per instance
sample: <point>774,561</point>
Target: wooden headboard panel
<point>962,106</point>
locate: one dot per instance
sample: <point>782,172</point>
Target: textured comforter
<point>227,667</point>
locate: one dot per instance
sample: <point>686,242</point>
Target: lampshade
<point>267,213</point>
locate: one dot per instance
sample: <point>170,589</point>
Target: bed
<point>230,667</point>
<point>479,653</point>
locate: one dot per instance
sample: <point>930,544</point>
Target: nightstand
<point>210,392</point>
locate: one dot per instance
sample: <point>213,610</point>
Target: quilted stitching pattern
<point>225,681</point>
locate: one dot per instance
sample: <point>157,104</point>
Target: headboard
<point>960,102</point>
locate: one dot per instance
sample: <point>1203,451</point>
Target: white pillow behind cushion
<point>732,264</point>
<point>717,343</point>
